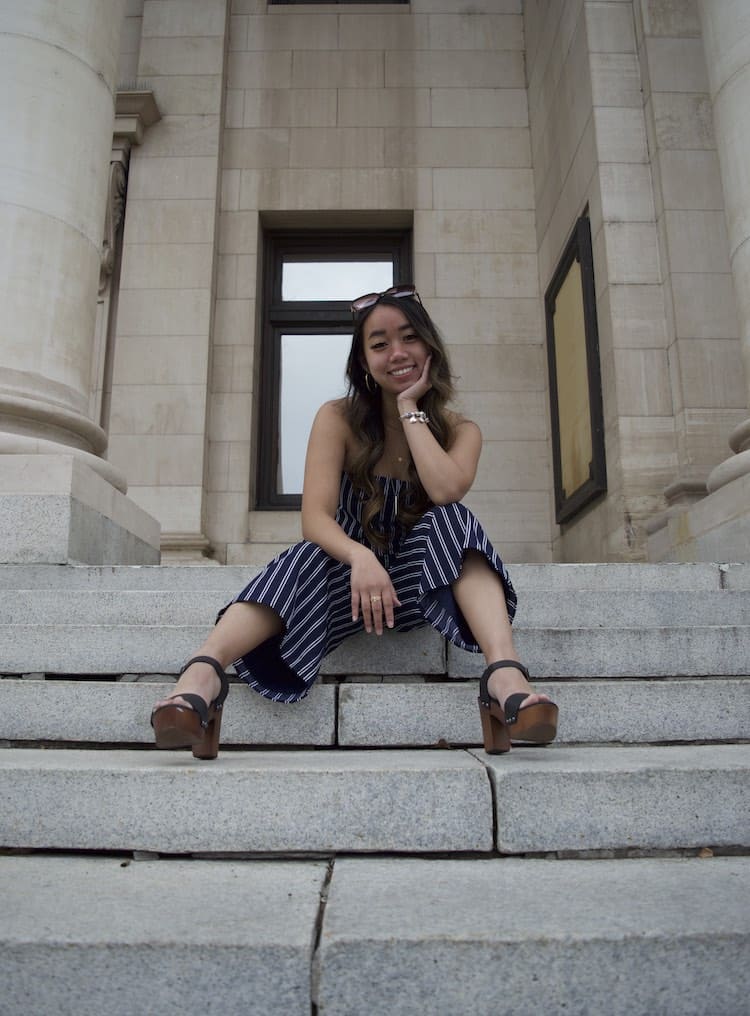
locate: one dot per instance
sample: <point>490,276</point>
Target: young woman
<point>387,544</point>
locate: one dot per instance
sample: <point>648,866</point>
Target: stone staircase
<point>359,852</point>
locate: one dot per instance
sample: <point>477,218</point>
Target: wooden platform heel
<point>196,725</point>
<point>536,723</point>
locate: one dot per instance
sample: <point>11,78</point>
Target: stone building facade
<point>158,153</point>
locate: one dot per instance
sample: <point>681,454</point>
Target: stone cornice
<point>135,111</point>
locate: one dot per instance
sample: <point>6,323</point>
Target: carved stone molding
<point>135,111</point>
<point>118,182</point>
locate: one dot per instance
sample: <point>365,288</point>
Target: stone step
<point>303,802</point>
<point>392,714</point>
<point>257,802</point>
<point>542,609</point>
<point>399,936</point>
<point>548,652</point>
<point>612,711</point>
<point>527,578</point>
<point>91,935</point>
<point>623,652</point>
<point>502,937</point>
<point>616,620</point>
<point>109,712</point>
<point>621,798</point>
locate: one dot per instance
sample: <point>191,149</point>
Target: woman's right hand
<point>373,594</point>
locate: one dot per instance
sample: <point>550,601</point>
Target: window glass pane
<point>334,280</point>
<point>312,371</point>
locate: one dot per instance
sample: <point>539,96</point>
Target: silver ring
<point>375,599</point>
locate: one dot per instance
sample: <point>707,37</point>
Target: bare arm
<point>326,456</point>
<point>446,475</point>
<point>324,464</point>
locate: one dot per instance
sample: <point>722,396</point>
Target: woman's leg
<point>242,627</point>
<point>480,595</point>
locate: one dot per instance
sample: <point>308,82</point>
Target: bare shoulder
<point>331,424</point>
<point>332,416</point>
<point>462,424</point>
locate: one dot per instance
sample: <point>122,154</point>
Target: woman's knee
<point>252,613</point>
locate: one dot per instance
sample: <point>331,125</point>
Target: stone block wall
<point>159,406</point>
<point>389,114</point>
<point>630,302</point>
<point>130,42</point>
<point>590,149</point>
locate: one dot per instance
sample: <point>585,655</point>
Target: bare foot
<point>507,681</point>
<point>199,679</point>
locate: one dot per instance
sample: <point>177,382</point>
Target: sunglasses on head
<point>370,299</point>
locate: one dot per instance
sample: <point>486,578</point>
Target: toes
<point>176,701</point>
<point>533,699</point>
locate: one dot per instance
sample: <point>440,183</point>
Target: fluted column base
<point>55,509</point>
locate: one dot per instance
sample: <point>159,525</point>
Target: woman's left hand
<point>420,387</point>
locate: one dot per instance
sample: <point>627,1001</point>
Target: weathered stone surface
<point>602,798</point>
<point>622,652</point>
<point>737,576</point>
<point>96,935</point>
<point>112,607</point>
<point>405,936</point>
<point>548,652</point>
<point>527,578</point>
<point>588,608</point>
<point>619,576</point>
<point>605,711</point>
<point>145,649</point>
<point>100,649</point>
<point>375,713</point>
<point>280,802</point>
<point>420,652</point>
<point>227,580</point>
<point>114,712</point>
<point>648,609</point>
<point>573,621</point>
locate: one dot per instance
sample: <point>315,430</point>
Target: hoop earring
<point>368,379</point>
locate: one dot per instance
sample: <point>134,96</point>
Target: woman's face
<point>394,354</point>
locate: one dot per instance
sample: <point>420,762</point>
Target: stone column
<point>726,40</point>
<point>57,71</point>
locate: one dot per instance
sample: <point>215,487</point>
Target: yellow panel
<point>572,383</point>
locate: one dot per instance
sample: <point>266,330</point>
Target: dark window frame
<point>293,316</point>
<point>568,504</point>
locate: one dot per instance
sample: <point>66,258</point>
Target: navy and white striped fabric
<point>311,590</point>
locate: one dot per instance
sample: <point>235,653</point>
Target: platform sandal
<point>536,723</point>
<point>196,725</point>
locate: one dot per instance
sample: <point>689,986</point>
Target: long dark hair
<point>364,412</point>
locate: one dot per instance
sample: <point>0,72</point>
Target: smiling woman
<point>387,544</point>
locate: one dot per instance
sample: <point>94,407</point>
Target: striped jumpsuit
<point>311,591</point>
